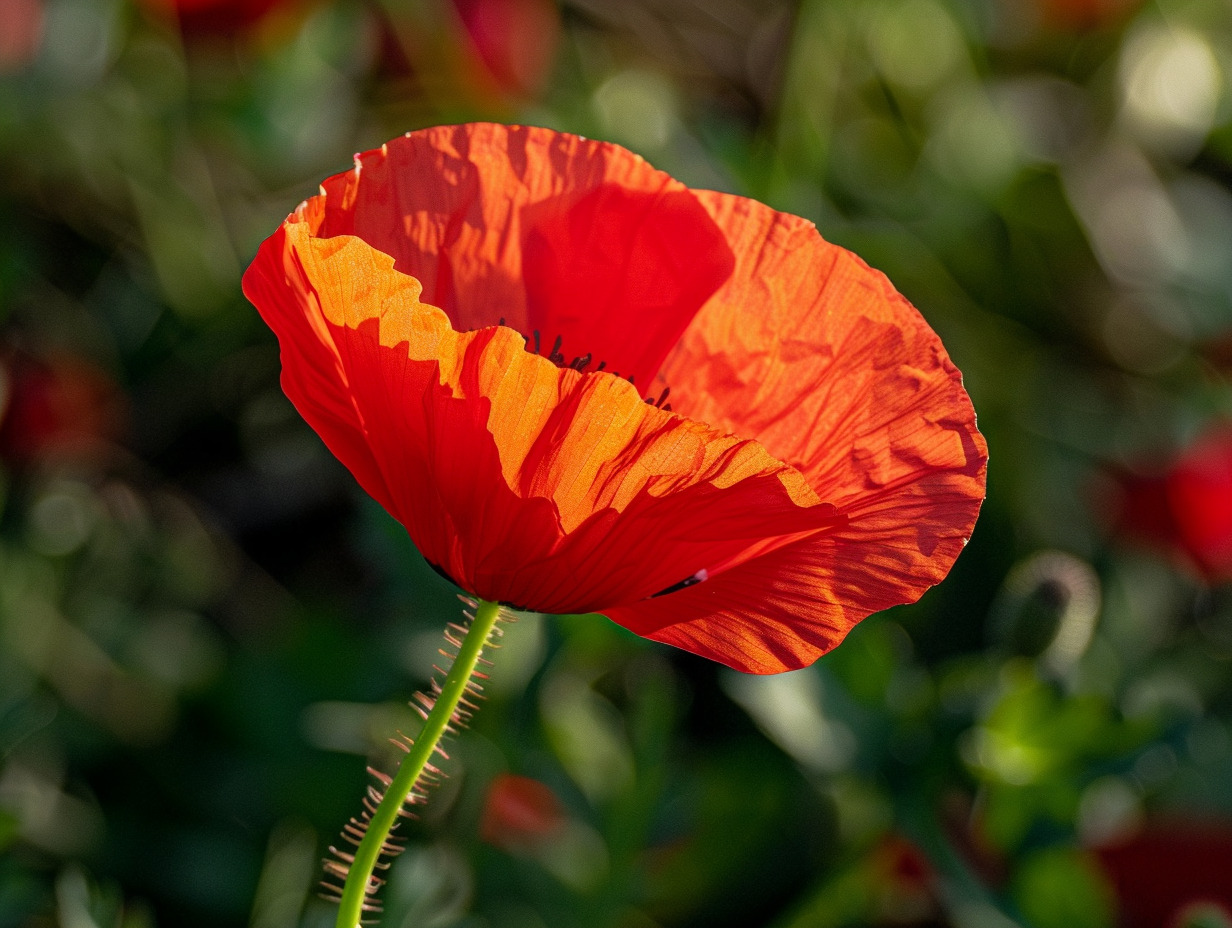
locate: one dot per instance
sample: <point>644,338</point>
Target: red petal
<point>313,376</point>
<point>814,355</point>
<point>785,608</point>
<point>550,232</point>
<point>524,482</point>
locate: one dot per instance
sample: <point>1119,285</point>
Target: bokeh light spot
<point>637,108</point>
<point>1170,87</point>
<point>914,43</point>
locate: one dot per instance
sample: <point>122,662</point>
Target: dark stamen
<point>581,362</point>
<point>658,404</point>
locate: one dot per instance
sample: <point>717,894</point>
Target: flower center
<point>583,361</point>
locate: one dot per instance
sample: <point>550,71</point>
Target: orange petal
<point>785,608</point>
<point>524,482</point>
<point>551,232</point>
<point>813,354</point>
<point>313,376</point>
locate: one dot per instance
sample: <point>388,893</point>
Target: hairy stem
<point>359,876</point>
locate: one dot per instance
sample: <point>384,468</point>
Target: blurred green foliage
<point>205,630</point>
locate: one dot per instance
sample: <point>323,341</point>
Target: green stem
<point>452,690</point>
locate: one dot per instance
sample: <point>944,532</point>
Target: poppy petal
<point>553,233</point>
<point>524,482</point>
<point>815,355</point>
<point>313,377</point>
<point>783,609</point>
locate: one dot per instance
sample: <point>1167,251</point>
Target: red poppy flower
<point>56,405</point>
<point>519,811</point>
<point>1169,869</point>
<point>513,42</point>
<point>218,17</point>
<point>1085,14</point>
<point>21,31</point>
<point>490,53</point>
<point>1188,508</point>
<point>483,322</point>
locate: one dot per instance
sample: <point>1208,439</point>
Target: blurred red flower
<point>513,42</point>
<point>1168,871</point>
<point>904,882</point>
<point>61,404</point>
<point>21,31</point>
<point>1085,14</point>
<point>818,459</point>
<point>218,17</point>
<point>491,53</point>
<point>1188,508</point>
<point>519,811</point>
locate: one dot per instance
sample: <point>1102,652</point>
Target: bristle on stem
<point>349,876</point>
